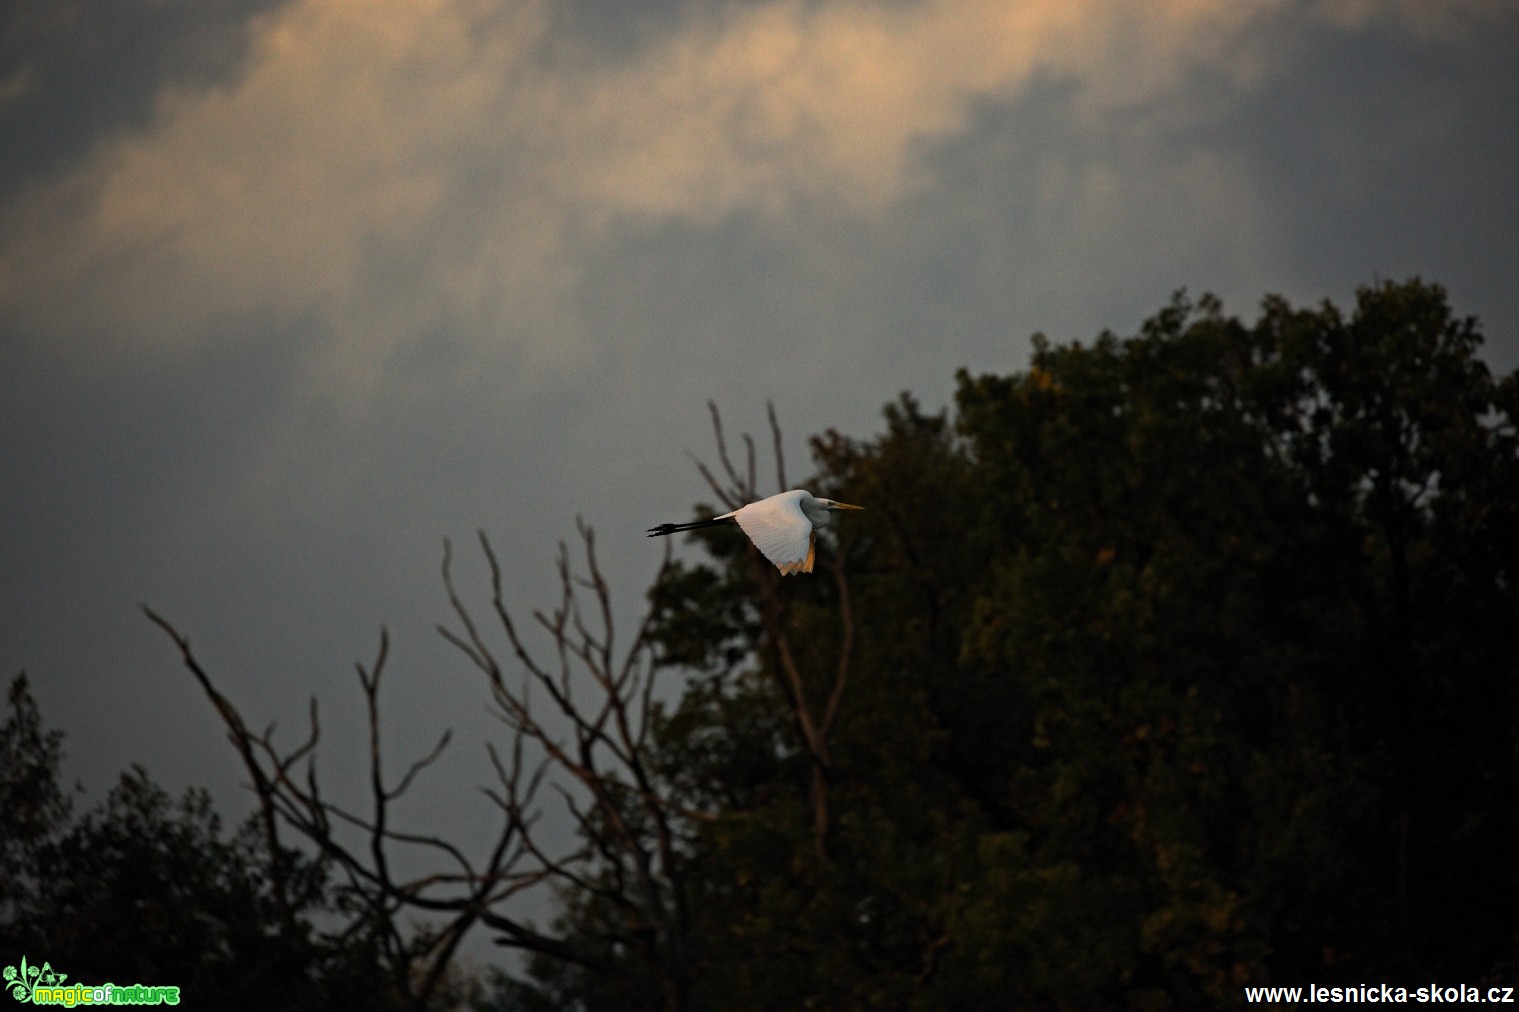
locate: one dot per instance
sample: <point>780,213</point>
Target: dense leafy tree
<point>1182,661</point>
<point>147,889</point>
<point>37,809</point>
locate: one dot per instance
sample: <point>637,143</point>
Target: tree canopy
<point>1182,661</point>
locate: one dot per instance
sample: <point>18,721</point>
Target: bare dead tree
<point>590,747</point>
<point>813,699</point>
<point>632,831</point>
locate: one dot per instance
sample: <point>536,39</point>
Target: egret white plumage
<point>781,527</point>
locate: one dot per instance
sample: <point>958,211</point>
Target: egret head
<point>820,511</point>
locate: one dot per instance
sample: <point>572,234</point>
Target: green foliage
<point>1182,661</point>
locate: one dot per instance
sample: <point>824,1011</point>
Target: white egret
<point>781,527</point>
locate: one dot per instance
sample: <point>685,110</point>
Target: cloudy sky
<point>292,291</point>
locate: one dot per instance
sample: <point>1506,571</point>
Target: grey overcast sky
<point>292,291</point>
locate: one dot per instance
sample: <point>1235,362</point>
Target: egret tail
<point>663,529</point>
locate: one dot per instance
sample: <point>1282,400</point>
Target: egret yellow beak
<point>846,506</point>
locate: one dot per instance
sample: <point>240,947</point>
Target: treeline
<point>1171,664</point>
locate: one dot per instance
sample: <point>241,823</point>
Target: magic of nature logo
<point>42,985</point>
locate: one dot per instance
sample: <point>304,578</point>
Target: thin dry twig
<point>813,728</point>
<point>627,823</point>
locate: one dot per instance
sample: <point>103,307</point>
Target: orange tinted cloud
<point>398,165</point>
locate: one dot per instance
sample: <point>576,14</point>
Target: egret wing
<point>781,531</point>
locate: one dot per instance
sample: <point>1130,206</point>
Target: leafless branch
<point>775,439</point>
<point>813,728</point>
<point>591,744</point>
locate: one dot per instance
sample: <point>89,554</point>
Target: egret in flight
<point>781,527</point>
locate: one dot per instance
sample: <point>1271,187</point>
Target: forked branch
<point>590,742</point>
<point>813,720</point>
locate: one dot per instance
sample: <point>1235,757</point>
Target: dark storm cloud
<point>74,71</point>
<point>1388,153</point>
<point>617,28</point>
<point>1352,153</point>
